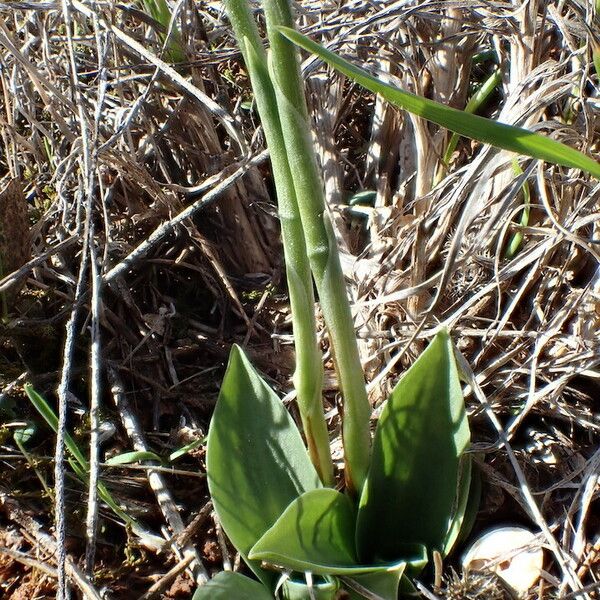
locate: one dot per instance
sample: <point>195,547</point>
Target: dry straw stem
<point>171,73</point>
<point>15,242</point>
<point>156,481</point>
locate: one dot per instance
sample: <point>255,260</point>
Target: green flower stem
<point>3,298</point>
<point>473,105</point>
<point>320,242</point>
<point>517,238</point>
<point>308,376</point>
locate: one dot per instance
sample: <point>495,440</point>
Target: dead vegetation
<point>153,245</point>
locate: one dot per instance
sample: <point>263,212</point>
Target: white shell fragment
<point>514,553</point>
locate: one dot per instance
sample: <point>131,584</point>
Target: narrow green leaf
<point>459,508</point>
<point>366,197</point>
<point>127,458</point>
<point>78,470</point>
<point>596,59</point>
<point>475,127</point>
<point>415,491</point>
<point>517,238</point>
<point>186,449</point>
<point>227,585</point>
<point>159,10</point>
<point>256,460</point>
<point>50,417</point>
<point>473,105</point>
<point>472,507</point>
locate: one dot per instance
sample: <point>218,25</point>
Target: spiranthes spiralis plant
<point>406,491</point>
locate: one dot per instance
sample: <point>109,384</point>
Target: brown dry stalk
<point>15,243</point>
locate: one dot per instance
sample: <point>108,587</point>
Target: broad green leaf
<point>256,460</point>
<point>415,490</point>
<point>316,534</point>
<point>382,585</point>
<point>22,435</point>
<point>475,127</point>
<point>127,458</point>
<point>321,589</point>
<point>407,589</point>
<point>227,585</point>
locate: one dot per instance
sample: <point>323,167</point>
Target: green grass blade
<point>50,417</point>
<point>507,137</point>
<point>159,10</point>
<point>186,449</point>
<point>78,462</point>
<point>517,238</point>
<point>127,458</point>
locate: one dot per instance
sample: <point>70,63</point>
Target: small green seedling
<point>477,100</point>
<point>77,460</point>
<point>516,239</point>
<point>22,437</point>
<point>406,491</point>
<point>81,467</point>
<point>138,456</point>
<point>159,10</point>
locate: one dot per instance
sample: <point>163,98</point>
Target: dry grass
<point>155,246</point>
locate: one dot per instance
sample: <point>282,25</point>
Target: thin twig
<point>155,478</point>
<point>15,513</point>
<point>166,579</point>
<point>26,560</point>
<point>59,457</point>
<point>10,280</point>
